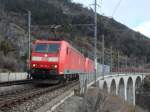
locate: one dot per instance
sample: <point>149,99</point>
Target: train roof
<point>48,41</point>
<point>62,41</point>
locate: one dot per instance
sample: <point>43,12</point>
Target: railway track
<point>15,91</point>
<point>10,83</point>
<point>8,101</point>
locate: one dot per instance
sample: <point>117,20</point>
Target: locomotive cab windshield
<point>47,48</point>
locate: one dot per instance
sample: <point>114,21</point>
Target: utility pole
<point>145,62</point>
<point>111,61</point>
<point>126,63</point>
<point>95,40</point>
<point>29,36</point>
<point>118,62</point>
<point>103,54</point>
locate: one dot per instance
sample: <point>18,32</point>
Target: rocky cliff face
<point>13,41</point>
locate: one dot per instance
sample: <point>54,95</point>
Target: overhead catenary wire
<point>116,7</point>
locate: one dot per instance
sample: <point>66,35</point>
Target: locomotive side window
<point>52,48</point>
<point>41,48</point>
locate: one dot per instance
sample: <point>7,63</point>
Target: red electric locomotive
<point>55,60</point>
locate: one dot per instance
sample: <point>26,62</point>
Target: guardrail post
<point>8,75</point>
<point>15,77</point>
<point>0,78</point>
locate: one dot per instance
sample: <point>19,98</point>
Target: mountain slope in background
<point>13,30</point>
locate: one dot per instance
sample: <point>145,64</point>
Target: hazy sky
<point>133,13</point>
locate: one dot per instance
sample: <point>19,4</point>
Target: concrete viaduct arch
<point>123,85</point>
<point>130,90</point>
<point>113,87</point>
<point>121,88</point>
<point>105,87</point>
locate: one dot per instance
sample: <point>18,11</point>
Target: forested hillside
<point>13,30</point>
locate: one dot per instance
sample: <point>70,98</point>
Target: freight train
<point>58,60</point>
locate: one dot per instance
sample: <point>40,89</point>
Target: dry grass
<point>99,101</point>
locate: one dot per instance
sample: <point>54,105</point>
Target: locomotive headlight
<point>34,65</point>
<point>54,66</point>
<point>46,55</point>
